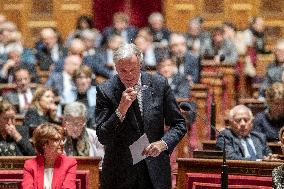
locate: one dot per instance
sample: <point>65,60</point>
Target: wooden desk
<point>91,164</point>
<point>236,167</point>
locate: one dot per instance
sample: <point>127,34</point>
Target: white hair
<point>75,109</point>
<point>14,47</point>
<point>238,108</point>
<point>126,51</point>
<point>155,15</point>
<point>176,37</point>
<point>88,34</point>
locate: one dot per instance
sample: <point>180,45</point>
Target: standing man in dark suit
<point>241,142</point>
<point>128,105</point>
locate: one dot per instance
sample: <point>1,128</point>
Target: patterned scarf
<point>78,147</point>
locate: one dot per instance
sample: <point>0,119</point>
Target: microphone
<point>186,106</point>
<point>222,57</point>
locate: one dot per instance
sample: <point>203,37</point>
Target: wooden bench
<point>11,173</point>
<point>213,166</point>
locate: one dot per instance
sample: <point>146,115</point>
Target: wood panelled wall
<point>33,15</point>
<point>178,12</point>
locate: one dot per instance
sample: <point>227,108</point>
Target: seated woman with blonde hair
<point>43,109</point>
<point>50,169</point>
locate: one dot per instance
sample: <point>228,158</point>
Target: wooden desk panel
<point>236,167</point>
<point>91,164</point>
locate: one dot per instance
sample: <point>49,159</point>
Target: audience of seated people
<point>120,27</point>
<point>275,70</point>
<point>14,140</point>
<point>278,172</point>
<point>80,140</point>
<point>22,96</point>
<point>241,142</point>
<point>187,64</point>
<point>160,33</point>
<point>42,110</point>
<point>271,120</point>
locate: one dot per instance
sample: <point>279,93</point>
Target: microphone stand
<point>224,167</point>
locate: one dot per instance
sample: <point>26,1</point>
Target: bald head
<point>72,63</point>
<point>77,47</point>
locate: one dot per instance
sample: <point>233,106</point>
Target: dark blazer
<point>55,81</point>
<point>191,66</point>
<point>20,148</point>
<point>278,177</point>
<point>180,86</point>
<point>44,57</point>
<point>273,74</point>
<point>234,148</point>
<point>64,174</point>
<point>159,108</point>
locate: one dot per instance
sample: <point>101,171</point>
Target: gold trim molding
<point>70,7</point>
<point>184,7</point>
<point>41,24</point>
<point>13,6</point>
<point>241,6</point>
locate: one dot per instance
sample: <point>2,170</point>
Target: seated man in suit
<point>62,82</point>
<point>187,64</point>
<point>241,142</point>
<point>22,97</point>
<point>275,70</point>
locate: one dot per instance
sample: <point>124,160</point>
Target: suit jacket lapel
<point>256,145</point>
<point>147,99</point>
<point>56,173</point>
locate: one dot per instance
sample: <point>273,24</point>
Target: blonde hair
<point>40,91</point>
<point>44,133</point>
<point>5,106</point>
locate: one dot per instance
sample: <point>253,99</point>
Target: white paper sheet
<point>137,148</point>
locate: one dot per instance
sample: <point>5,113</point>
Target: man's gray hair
<point>88,34</point>
<point>154,15</point>
<point>237,108</point>
<point>126,51</point>
<point>75,109</point>
<point>176,37</point>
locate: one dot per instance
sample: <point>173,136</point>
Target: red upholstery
<point>254,181</point>
<point>198,185</point>
<point>15,177</point>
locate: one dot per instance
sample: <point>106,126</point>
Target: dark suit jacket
<point>159,108</point>
<point>234,148</point>
<point>191,66</point>
<point>180,86</point>
<point>55,81</point>
<point>64,174</point>
<point>44,57</point>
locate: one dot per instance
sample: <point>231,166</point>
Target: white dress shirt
<point>29,96</point>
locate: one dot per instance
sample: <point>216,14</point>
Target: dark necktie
<point>250,150</point>
<point>137,112</point>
